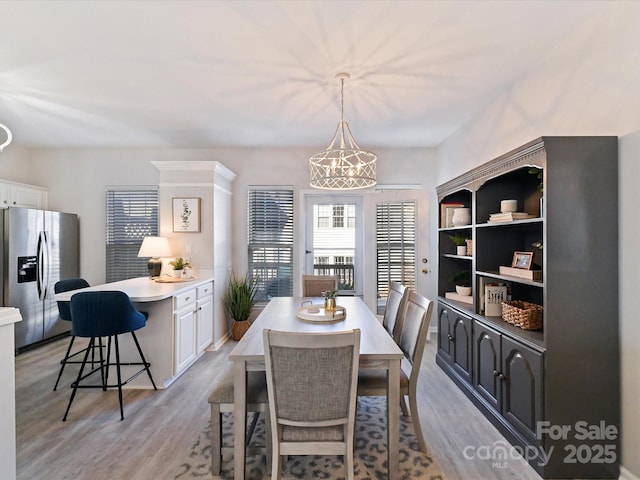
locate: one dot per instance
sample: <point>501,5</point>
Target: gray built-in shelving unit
<point>566,375</point>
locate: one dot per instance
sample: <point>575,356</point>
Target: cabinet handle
<point>450,337</point>
<point>496,373</point>
<point>502,377</point>
<point>186,299</point>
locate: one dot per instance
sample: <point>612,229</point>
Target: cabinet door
<point>487,363</point>
<point>4,195</point>
<point>24,196</point>
<point>445,339</point>
<point>461,347</point>
<point>521,387</point>
<point>205,322</point>
<point>185,325</point>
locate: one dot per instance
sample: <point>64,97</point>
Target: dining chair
<point>413,336</point>
<point>311,382</point>
<point>315,285</point>
<point>106,314</point>
<point>394,310</point>
<point>221,400</point>
<point>64,312</point>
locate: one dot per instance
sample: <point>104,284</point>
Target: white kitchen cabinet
<point>204,316</point>
<point>14,194</point>
<point>185,324</point>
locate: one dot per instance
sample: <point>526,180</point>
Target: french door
<point>334,239</point>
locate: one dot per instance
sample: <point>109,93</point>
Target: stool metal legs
<point>68,356</point>
<point>105,375</point>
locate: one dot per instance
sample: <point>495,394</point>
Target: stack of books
<point>509,216</point>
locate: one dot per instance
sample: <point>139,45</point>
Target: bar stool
<point>65,314</point>
<point>106,314</point>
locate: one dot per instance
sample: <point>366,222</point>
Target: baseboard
<point>216,346</point>
<point>626,474</point>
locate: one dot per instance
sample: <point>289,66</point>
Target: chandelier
<point>9,136</point>
<point>343,167</point>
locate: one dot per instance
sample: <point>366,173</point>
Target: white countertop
<point>9,315</point>
<point>141,289</point>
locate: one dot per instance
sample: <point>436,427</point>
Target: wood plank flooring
<point>160,426</point>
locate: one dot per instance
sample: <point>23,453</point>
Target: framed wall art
<point>186,215</point>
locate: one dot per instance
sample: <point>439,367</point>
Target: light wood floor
<point>160,426</point>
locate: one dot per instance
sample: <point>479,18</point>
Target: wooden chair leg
<point>413,404</point>
<point>267,439</point>
<point>216,439</point>
<point>405,410</point>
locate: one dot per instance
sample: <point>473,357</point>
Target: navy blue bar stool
<point>65,314</point>
<point>106,314</point>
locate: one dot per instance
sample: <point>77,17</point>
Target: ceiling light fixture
<point>347,167</point>
<point>9,136</point>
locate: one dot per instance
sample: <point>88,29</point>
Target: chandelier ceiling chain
<point>347,167</point>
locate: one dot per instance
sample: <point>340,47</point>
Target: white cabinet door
<point>4,195</point>
<point>205,322</point>
<point>185,325</point>
<point>25,196</point>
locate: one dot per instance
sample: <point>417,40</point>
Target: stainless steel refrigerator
<point>39,247</point>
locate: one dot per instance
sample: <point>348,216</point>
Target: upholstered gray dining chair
<point>394,311</point>
<point>314,285</point>
<point>221,400</point>
<point>413,336</point>
<point>312,380</point>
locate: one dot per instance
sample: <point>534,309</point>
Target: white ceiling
<point>262,73</point>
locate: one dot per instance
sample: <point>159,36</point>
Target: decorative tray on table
<point>317,313</point>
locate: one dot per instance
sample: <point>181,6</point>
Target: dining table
<point>291,314</point>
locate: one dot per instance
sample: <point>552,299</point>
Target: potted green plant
<point>239,299</point>
<point>462,281</point>
<point>460,240</point>
<point>330,299</point>
<point>179,264</point>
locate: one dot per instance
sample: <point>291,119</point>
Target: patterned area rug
<point>370,452</point>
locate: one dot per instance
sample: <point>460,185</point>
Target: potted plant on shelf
<point>179,264</point>
<point>239,299</point>
<point>462,281</point>
<point>330,299</point>
<point>460,240</point>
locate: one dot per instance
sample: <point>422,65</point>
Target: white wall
<point>629,198</point>
<point>596,93</point>
<point>76,179</point>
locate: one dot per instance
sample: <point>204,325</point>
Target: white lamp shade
<point>155,247</point>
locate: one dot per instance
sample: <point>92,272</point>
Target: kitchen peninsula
<point>179,327</point>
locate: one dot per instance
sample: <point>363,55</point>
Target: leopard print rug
<point>370,459</point>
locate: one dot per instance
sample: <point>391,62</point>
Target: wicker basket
<point>525,315</point>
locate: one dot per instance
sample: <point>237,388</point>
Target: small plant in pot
<point>330,299</point>
<point>178,264</point>
<point>460,240</point>
<point>239,299</point>
<point>462,281</point>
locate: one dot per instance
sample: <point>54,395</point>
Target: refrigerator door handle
<point>43,262</point>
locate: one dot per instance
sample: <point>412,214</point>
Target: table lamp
<point>155,247</point>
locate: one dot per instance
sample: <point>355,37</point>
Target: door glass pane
<point>334,243</point>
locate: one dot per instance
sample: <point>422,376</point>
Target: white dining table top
<point>280,314</point>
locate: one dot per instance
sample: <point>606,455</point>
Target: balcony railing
<point>344,272</point>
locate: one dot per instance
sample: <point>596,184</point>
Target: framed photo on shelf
<point>522,260</point>
<point>186,215</point>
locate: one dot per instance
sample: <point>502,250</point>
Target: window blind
<point>270,241</point>
<point>395,246</point>
<point>132,214</point>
